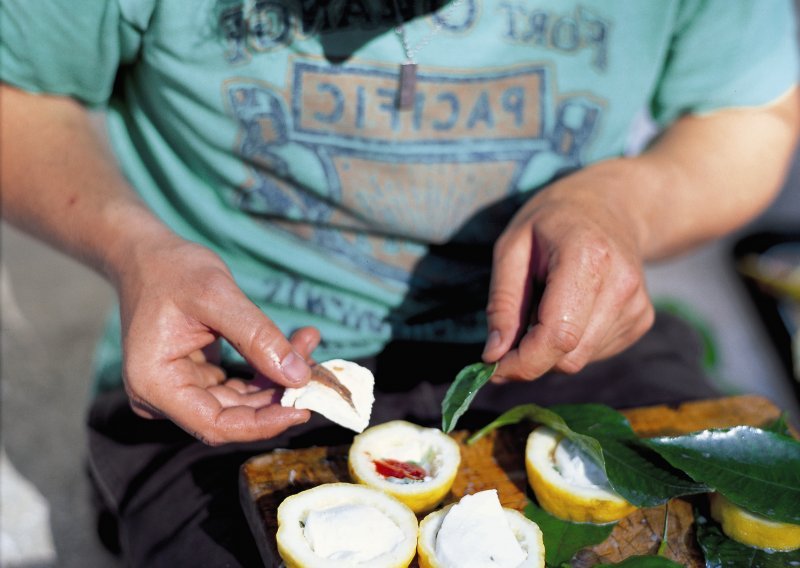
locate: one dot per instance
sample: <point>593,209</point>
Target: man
<point>280,193</point>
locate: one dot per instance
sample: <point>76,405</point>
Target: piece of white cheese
<point>475,534</point>
<point>351,533</point>
<point>576,467</point>
<point>320,398</point>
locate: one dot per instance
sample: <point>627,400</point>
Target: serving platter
<point>497,462</point>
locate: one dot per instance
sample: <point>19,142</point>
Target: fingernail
<point>492,342</point>
<point>294,368</point>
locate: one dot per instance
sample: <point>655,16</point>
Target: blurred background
<point>52,309</point>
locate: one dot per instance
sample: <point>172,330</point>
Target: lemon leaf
<point>757,470</point>
<point>636,472</point>
<point>562,539</point>
<point>461,392</point>
<point>546,417</point>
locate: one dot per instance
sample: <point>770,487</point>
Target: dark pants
<point>168,500</point>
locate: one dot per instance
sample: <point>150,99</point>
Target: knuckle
<point>572,363</point>
<point>629,280</point>
<point>501,301</point>
<point>262,339</point>
<point>564,337</point>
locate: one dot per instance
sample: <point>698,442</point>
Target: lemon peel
<point>751,529</point>
<point>527,533</point>
<point>297,550</point>
<point>435,451</point>
<point>561,496</point>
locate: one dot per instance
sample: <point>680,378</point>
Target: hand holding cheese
<point>320,397</point>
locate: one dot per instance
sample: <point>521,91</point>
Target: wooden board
<point>497,462</point>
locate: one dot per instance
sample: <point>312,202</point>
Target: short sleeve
<point>725,54</point>
<point>69,47</point>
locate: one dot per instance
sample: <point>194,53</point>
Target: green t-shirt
<point>268,129</point>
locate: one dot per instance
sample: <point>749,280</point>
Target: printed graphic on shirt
<point>257,26</point>
<point>266,25</point>
<point>337,164</point>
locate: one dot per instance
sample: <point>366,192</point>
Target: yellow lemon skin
<point>526,531</point>
<point>557,496</point>
<point>384,440</point>
<point>753,530</point>
<point>295,550</point>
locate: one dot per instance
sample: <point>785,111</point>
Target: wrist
<point>625,190</point>
<point>135,230</point>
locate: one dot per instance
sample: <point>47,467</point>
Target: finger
<point>201,414</point>
<point>305,340</point>
<point>246,386</point>
<point>567,305</point>
<point>228,395</point>
<point>601,342</point>
<point>252,333</point>
<point>509,293</point>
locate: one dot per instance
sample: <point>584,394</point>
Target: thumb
<point>509,295</point>
<point>233,316</point>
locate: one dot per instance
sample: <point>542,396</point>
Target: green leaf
<point>647,562</point>
<point>780,425</point>
<point>634,471</point>
<point>547,418</point>
<point>723,552</point>
<point>755,469</point>
<point>562,539</point>
<point>460,394</point>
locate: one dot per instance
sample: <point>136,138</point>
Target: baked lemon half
<point>567,482</point>
<point>416,465</point>
<point>751,529</point>
<point>343,525</point>
<point>478,532</point>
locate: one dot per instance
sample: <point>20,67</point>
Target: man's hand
<point>573,241</point>
<point>60,183</point>
<point>177,298</point>
<point>584,239</point>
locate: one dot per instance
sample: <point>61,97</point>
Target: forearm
<point>60,183</point>
<point>704,177</point>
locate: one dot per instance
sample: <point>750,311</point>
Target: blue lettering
<point>338,104</point>
<point>269,25</point>
<point>511,20</point>
<point>231,23</point>
<point>419,105</point>
<point>513,100</point>
<point>537,33</point>
<point>360,107</point>
<point>595,37</point>
<point>454,111</point>
<point>388,104</point>
<point>481,112</point>
<point>565,34</point>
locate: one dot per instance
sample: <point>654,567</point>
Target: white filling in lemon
<point>577,468</point>
<point>353,533</point>
<point>475,533</point>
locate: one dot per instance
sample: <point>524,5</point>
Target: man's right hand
<point>177,299</point>
<point>60,183</point>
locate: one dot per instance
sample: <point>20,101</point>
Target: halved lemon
<point>416,465</point>
<point>477,532</point>
<point>567,483</point>
<point>343,525</point>
<point>751,529</point>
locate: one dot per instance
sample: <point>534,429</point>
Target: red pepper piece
<point>388,467</point>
